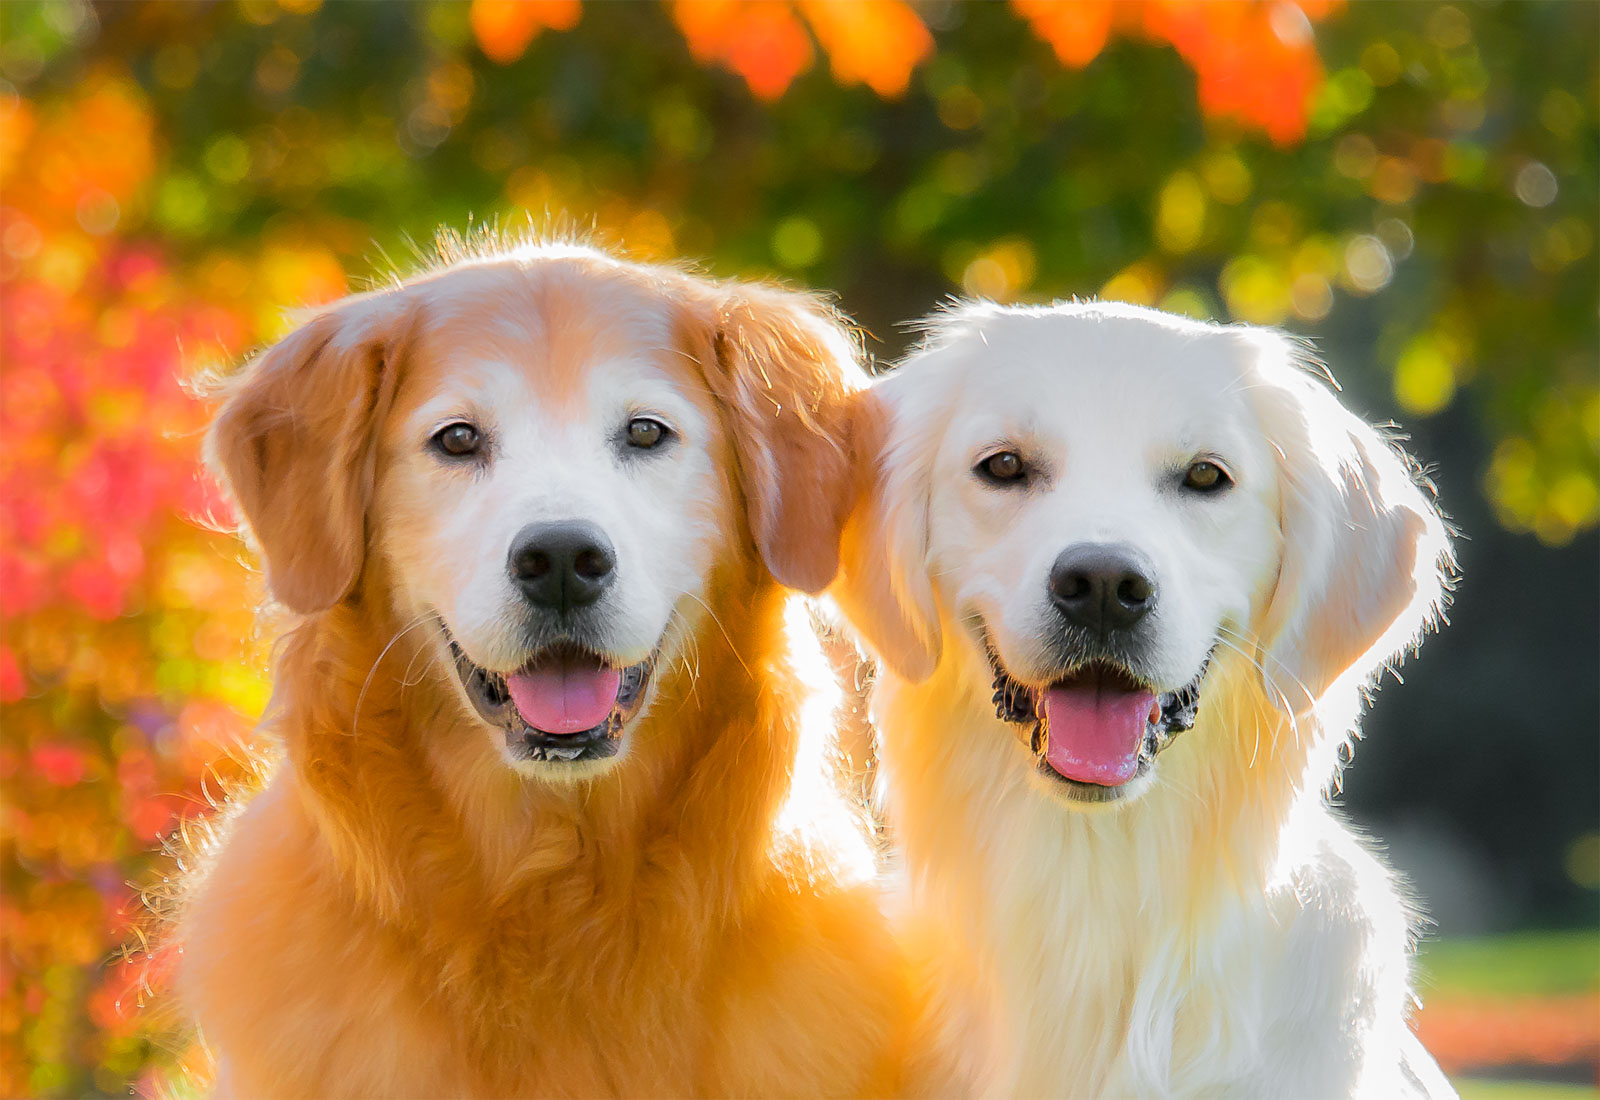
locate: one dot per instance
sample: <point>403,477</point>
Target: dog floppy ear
<point>884,587</point>
<point>782,366</point>
<point>294,444</point>
<point>1365,554</point>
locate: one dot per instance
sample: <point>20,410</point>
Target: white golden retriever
<point>1128,575</point>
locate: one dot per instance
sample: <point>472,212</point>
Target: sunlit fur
<point>402,911</point>
<point>1220,932</point>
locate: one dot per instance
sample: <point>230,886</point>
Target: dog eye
<point>1206,477</point>
<point>457,440</point>
<point>1003,467</point>
<point>645,433</point>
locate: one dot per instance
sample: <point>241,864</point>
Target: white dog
<point>1128,575</point>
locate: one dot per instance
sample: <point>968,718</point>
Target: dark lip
<point>1016,703</point>
<point>487,691</point>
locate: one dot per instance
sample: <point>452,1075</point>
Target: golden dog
<point>533,511</point>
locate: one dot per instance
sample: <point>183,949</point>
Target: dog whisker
<point>1225,633</point>
<point>1255,749</point>
<point>726,636</point>
<point>405,677</point>
<point>355,717</point>
<point>1252,640</point>
<point>688,656</point>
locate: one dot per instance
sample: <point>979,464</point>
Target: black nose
<point>561,566</point>
<point>1102,588</point>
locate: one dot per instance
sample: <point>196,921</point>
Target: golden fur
<point>399,913</point>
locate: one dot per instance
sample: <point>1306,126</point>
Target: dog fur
<point>402,911</point>
<point>1219,931</point>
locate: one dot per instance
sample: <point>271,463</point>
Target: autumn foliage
<point>170,188</point>
<point>123,666</point>
<point>1256,62</point>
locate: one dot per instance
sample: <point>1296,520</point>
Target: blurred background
<point>1412,185</point>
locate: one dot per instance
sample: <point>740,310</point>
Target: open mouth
<point>566,704</point>
<point>1097,728</point>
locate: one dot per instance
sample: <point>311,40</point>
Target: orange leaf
<point>705,26</point>
<point>761,40</point>
<point>1255,60</point>
<point>873,42</point>
<point>504,28</point>
<point>1076,31</point>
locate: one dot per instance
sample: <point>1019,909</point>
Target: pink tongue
<point>565,694</point>
<point>1095,732</point>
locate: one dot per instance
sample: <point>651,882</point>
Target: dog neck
<point>1068,911</point>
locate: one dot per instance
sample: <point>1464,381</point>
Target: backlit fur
<point>1219,931</point>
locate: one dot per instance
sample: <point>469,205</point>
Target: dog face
<point>535,457</point>
<point>551,482</point>
<point>1088,504</point>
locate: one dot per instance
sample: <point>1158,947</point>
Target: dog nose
<point>561,566</point>
<point>1102,588</point>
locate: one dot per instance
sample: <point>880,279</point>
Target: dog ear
<point>782,365</point>
<point>884,587</point>
<point>294,444</point>
<point>1366,556</point>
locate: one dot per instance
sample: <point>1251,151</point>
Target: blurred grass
<point>1522,1090</point>
<point>1527,964</point>
<point>1522,964</point>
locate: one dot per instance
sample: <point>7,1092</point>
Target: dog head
<point>545,458</point>
<point>1091,503</point>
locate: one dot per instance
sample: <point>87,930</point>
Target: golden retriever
<point>1128,576</point>
<point>533,511</point>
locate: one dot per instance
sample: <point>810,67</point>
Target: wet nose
<point>1102,588</point>
<point>561,566</point>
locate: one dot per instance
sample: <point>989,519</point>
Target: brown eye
<point>645,433</point>
<point>1206,477</point>
<point>458,440</point>
<point>1003,466</point>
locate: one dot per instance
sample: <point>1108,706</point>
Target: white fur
<point>1220,931</point>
